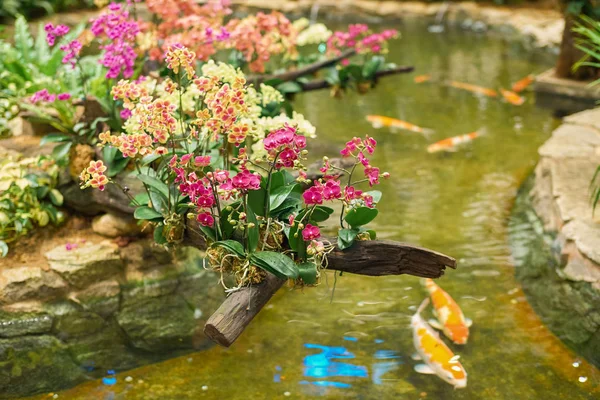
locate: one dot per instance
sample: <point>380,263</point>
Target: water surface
<point>359,345</point>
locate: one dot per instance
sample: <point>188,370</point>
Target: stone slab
<point>86,264</point>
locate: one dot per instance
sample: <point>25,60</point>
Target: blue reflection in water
<point>340,385</point>
<point>321,365</point>
<point>350,339</point>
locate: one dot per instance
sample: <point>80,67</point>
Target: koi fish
<point>450,144</point>
<point>450,318</point>
<point>422,78</point>
<point>473,88</point>
<point>512,97</point>
<point>522,84</point>
<point>379,121</point>
<point>437,357</point>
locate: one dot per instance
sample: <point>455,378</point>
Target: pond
<point>356,342</point>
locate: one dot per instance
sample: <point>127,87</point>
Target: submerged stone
<point>158,323</point>
<point>34,364</point>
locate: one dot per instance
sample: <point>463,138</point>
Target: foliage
<point>206,147</point>
<point>13,8</point>
<point>28,196</point>
<point>588,41</point>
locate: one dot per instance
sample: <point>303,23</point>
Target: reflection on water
<point>456,203</point>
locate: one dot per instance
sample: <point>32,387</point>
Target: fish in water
<point>473,88</point>
<point>422,78</point>
<point>450,318</point>
<point>512,97</point>
<point>379,121</point>
<point>451,143</point>
<point>522,84</point>
<point>437,357</point>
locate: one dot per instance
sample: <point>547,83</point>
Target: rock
<point>77,323</point>
<point>102,298</point>
<point>14,324</point>
<point>585,118</point>
<point>114,225</point>
<point>86,264</point>
<point>104,349</point>
<point>587,238</point>
<point>571,141</point>
<point>35,364</point>
<point>158,324</point>
<point>24,283</point>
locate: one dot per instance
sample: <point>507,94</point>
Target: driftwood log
<point>372,258</point>
<point>297,73</point>
<point>323,84</point>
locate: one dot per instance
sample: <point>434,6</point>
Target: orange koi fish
<point>422,78</point>
<point>522,84</point>
<point>450,144</point>
<point>450,318</point>
<point>438,358</point>
<point>473,88</point>
<point>512,97</point>
<point>379,121</point>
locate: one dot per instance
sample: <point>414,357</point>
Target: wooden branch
<point>323,84</point>
<point>297,73</point>
<point>236,312</point>
<point>372,258</point>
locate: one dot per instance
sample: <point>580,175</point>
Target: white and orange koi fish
<point>450,318</point>
<point>437,357</point>
<point>451,143</point>
<point>379,121</point>
<point>512,97</point>
<point>422,78</point>
<point>522,84</point>
<point>473,88</point>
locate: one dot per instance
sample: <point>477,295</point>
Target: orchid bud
<point>386,175</point>
<point>300,226</point>
<point>251,225</point>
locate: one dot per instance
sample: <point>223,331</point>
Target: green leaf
<point>233,246</point>
<point>346,238</point>
<point>141,199</point>
<point>276,263</point>
<point>279,195</point>
<point>56,197</point>
<point>371,67</point>
<point>253,233</point>
<point>55,137</point>
<point>289,87</point>
<point>360,216</point>
<point>146,213</point>
<point>159,236</point>
<point>307,271</point>
<point>150,158</point>
<point>277,180</point>
<point>226,228</point>
<point>208,232</point>
<point>3,248</point>
<point>320,214</point>
<point>62,150</point>
<point>158,200</point>
<point>23,39</point>
<point>256,201</point>
<point>155,183</point>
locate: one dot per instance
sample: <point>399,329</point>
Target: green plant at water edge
<point>28,196</point>
<point>28,66</point>
<point>588,41</point>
